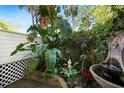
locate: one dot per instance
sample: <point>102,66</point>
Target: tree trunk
<point>32,18</point>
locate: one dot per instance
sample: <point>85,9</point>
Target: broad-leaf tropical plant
<point>46,29</point>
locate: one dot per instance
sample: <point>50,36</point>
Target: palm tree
<point>30,9</point>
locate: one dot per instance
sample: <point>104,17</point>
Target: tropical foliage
<point>51,31</point>
<point>79,33</point>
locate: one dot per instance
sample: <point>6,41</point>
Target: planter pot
<point>103,82</point>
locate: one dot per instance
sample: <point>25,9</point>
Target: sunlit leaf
<point>50,57</point>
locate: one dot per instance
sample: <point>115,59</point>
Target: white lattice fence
<point>12,72</point>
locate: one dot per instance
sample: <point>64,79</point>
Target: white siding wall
<point>8,42</point>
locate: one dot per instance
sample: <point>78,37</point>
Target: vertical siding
<point>8,42</point>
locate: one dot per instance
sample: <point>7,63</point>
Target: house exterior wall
<point>8,42</point>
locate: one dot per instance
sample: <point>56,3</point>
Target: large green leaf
<point>50,57</point>
<point>59,53</point>
<point>40,49</point>
<point>19,48</point>
<point>51,38</point>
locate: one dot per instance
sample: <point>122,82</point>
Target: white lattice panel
<point>12,72</point>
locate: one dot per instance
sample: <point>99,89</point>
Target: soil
<point>81,82</point>
<point>28,83</point>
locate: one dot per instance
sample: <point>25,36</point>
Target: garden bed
<point>39,80</point>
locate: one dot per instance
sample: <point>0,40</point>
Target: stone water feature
<point>110,73</point>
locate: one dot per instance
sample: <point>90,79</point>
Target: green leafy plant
<point>83,60</point>
<point>49,48</point>
<point>67,74</point>
<point>68,71</point>
<point>39,50</point>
